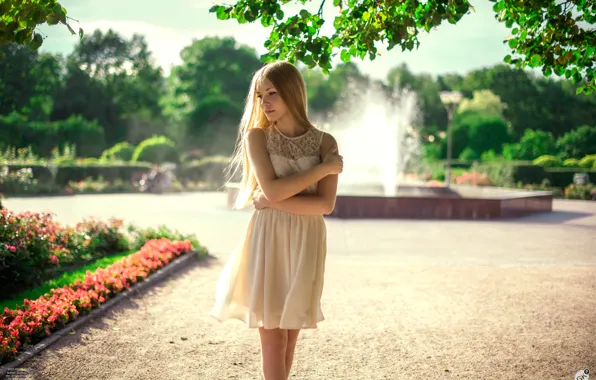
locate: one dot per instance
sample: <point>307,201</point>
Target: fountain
<point>374,131</point>
<point>373,128</point>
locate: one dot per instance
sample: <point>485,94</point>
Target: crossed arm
<point>283,193</point>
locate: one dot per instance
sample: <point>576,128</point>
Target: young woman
<point>274,279</point>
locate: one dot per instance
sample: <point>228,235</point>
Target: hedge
<point>67,173</point>
<point>209,169</point>
<point>43,137</point>
<point>562,177</point>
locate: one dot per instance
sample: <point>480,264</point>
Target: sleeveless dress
<point>274,277</point>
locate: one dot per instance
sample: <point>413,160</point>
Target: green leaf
<point>309,61</point>
<point>21,36</point>
<point>515,31</point>
<point>580,90</point>
<point>512,43</point>
<point>81,33</point>
<point>535,61</point>
<point>336,3</point>
<point>304,14</point>
<point>507,58</point>
<point>547,71</point>
<point>279,14</point>
<point>345,56</point>
<point>36,42</point>
<point>222,13</point>
<point>365,16</point>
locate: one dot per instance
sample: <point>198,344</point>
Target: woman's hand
<point>259,200</point>
<point>333,161</point>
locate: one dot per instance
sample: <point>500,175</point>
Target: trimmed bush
<point>156,149</point>
<point>122,151</point>
<point>548,161</point>
<point>571,163</point>
<point>588,161</point>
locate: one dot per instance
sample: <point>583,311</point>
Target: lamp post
<point>451,100</point>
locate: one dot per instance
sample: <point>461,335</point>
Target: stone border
<point>153,279</point>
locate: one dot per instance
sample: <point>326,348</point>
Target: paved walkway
<point>403,300</point>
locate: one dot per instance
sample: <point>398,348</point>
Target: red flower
<point>51,311</point>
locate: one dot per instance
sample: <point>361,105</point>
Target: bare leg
<point>291,346</point>
<point>273,352</point>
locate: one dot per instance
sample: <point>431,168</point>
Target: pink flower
<point>54,259</point>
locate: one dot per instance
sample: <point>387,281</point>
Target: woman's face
<point>271,103</point>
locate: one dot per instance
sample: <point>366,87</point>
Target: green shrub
<point>122,151</point>
<point>578,142</point>
<point>548,161</point>
<point>43,137</point>
<point>480,132</point>
<point>571,163</point>
<point>583,192</point>
<point>532,144</point>
<point>588,161</point>
<point>469,154</point>
<point>156,149</point>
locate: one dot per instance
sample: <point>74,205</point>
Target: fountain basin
<point>457,202</point>
<point>424,202</point>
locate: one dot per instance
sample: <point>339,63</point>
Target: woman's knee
<point>274,339</point>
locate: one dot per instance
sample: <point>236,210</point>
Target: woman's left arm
<point>320,203</point>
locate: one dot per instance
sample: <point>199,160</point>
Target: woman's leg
<point>274,344</point>
<point>291,346</point>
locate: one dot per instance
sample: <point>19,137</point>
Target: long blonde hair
<point>289,83</point>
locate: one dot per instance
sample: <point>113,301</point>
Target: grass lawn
<point>66,278</point>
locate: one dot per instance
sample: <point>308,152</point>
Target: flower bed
<point>34,246</point>
<point>37,319</point>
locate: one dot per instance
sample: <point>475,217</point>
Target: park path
<point>421,299</point>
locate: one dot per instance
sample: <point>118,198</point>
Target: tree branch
<point>320,12</point>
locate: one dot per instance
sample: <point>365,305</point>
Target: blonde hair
<point>290,86</point>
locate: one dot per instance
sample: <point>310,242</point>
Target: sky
<point>475,42</point>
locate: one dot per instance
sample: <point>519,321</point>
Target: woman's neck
<point>290,127</point>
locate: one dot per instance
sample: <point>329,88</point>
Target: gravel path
<point>424,299</point>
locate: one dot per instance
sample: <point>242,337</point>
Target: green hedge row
<point>210,169</point>
<point>17,131</point>
<point>502,173</point>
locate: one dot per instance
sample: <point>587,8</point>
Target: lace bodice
<point>290,155</point>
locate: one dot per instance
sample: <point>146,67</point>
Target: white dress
<point>274,278</point>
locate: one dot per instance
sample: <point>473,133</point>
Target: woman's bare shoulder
<point>327,142</point>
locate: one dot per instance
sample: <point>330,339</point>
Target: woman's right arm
<point>277,189</point>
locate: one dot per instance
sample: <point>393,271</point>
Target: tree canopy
<point>556,36</point>
<point>548,34</point>
<point>20,18</point>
